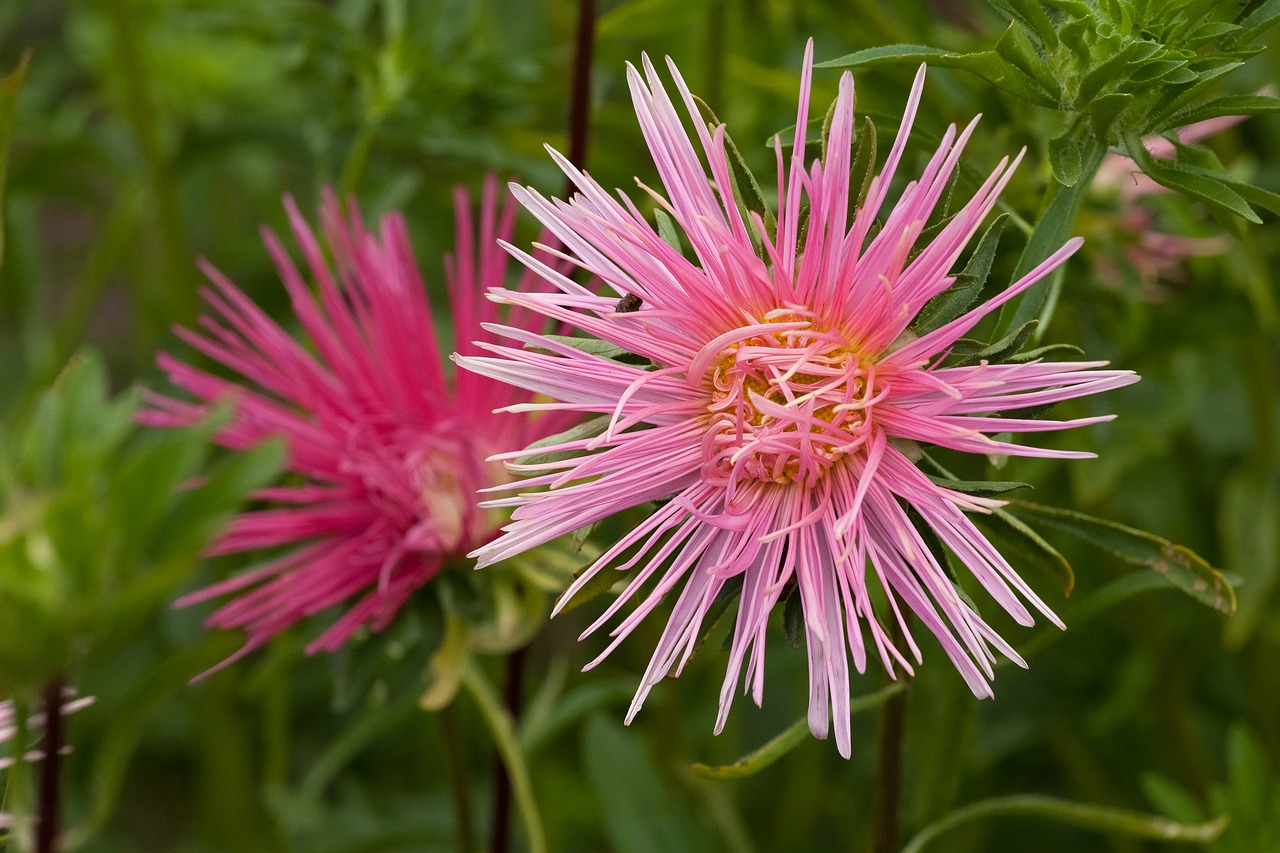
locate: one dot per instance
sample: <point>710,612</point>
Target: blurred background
<point>152,132</point>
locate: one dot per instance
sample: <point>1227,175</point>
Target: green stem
<point>788,739</point>
<point>459,780</point>
<point>1054,227</point>
<point>502,730</point>
<point>364,731</point>
<point>887,793</point>
<point>358,157</point>
<point>163,295</point>
<point>1099,818</point>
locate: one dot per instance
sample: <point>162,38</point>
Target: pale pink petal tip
<point>776,416</point>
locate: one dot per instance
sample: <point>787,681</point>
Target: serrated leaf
<point>1016,49</point>
<point>1181,566</point>
<point>1205,186</point>
<point>965,290</point>
<point>1064,160</point>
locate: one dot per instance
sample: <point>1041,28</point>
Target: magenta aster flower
<point>387,450</point>
<point>784,396</point>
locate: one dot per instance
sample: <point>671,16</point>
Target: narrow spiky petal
<point>782,390</point>
<point>389,452</point>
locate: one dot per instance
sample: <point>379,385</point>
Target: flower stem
<point>502,730</point>
<point>49,809</point>
<point>888,785</point>
<point>887,797</point>
<point>512,697</point>
<point>458,778</point>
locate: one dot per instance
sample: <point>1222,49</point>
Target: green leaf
<point>594,346</point>
<point>746,188</point>
<point>1015,47</point>
<point>795,734</point>
<point>587,429</point>
<point>1105,820</point>
<point>1206,186</point>
<point>1247,512</point>
<point>1179,565</point>
<point>1016,540</point>
<point>1230,105</point>
<point>971,352</point>
<point>1030,13</point>
<point>986,64</point>
<point>10,87</point>
<point>667,230</point>
<point>1172,801</point>
<point>980,488</point>
<point>640,813</point>
<point>1255,23</point>
<point>602,582</point>
<point>864,164</point>
<point>793,619</point>
<point>965,290</point>
<point>1104,110</point>
<point>1064,160</point>
<point>1041,352</point>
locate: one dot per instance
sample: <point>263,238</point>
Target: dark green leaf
<point>667,229</point>
<point>864,164</point>
<point>1030,13</point>
<point>965,290</point>
<point>1181,566</point>
<point>746,187</point>
<point>1230,105</point>
<point>793,619</point>
<point>1207,187</point>
<point>587,429</point>
<point>1064,160</point>
<point>980,488</point>
<point>1041,352</point>
<point>1255,23</point>
<point>971,351</point>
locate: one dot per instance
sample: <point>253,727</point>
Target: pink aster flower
<point>386,449</point>
<point>784,396</point>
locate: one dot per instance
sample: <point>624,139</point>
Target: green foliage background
<point>149,132</point>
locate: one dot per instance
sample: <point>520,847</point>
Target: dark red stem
<point>47,826</point>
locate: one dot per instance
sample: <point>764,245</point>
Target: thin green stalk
<point>459,780</point>
<point>503,732</point>
<point>357,157</point>
<point>782,743</point>
<point>163,295</point>
<point>1099,818</point>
